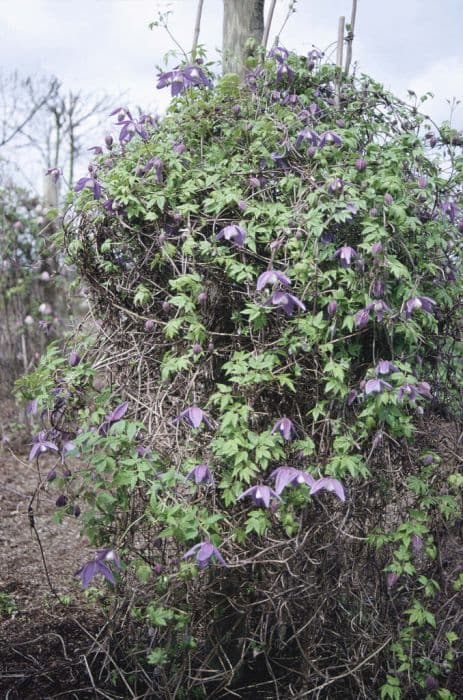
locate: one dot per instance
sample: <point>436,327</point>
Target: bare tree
<point>242,20</point>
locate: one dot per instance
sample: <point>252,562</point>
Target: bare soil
<point>47,648</point>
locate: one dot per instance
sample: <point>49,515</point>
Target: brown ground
<point>46,647</point>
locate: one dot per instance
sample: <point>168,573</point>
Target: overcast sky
<point>106,45</point>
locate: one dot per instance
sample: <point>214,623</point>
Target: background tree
<point>242,20</point>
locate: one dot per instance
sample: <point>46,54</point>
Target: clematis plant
<point>376,386</point>
<point>285,427</point>
<point>327,483</point>
<point>201,475</point>
<point>99,565</point>
<point>286,302</point>
<point>261,495</point>
<point>232,233</point>
<point>425,303</point>
<point>205,553</point>
<point>193,416</point>
<point>272,277</point>
<point>290,476</point>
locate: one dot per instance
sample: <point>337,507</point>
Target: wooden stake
<point>268,23</point>
<point>350,37</point>
<point>339,52</point>
<point>199,12</point>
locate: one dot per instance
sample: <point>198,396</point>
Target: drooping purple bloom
<point>345,255</point>
<point>360,164</point>
<point>89,183</point>
<point>285,427</point>
<point>285,301</point>
<point>315,55</point>
<point>261,495</point>
<point>377,288</point>
<point>158,166</point>
<point>272,277</point>
<point>391,579</point>
<point>74,359</point>
<point>450,210</point>
<point>330,138</point>
<point>142,451</point>
<point>180,79</point>
<point>425,303</point>
<point>205,551</point>
<point>332,308</point>
<point>280,53</point>
<point>96,150</point>
<point>285,72</point>
<point>201,474</point>
<point>113,417</point>
<point>413,391</point>
<point>336,186</point>
<point>422,182</point>
<point>289,476</point>
<point>376,386</point>
<point>233,233</point>
<point>379,308</point>
<point>352,397</point>
<point>385,367</point>
<point>193,416</point>
<point>61,501</point>
<point>55,173</point>
<point>377,248</point>
<point>41,445</point>
<point>327,483</point>
<point>307,135</point>
<point>417,543</point>
<point>98,566</point>
<point>31,408</point>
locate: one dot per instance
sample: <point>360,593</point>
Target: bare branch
<point>197,28</point>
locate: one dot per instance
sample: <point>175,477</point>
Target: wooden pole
<point>199,12</point>
<point>268,23</point>
<point>339,52</point>
<point>350,37</point>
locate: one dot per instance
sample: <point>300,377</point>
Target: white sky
<point>106,45</point>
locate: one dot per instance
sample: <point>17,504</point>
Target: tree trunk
<point>242,20</point>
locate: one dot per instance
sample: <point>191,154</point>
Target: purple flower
<point>336,187</point>
<point>158,166</point>
<point>98,566</point>
<point>450,210</point>
<point>360,164</point>
<point>193,416</point>
<point>289,476</point>
<point>285,301</point>
<point>272,277</point>
<point>205,551</point>
<point>113,417</point>
<point>327,483</point>
<point>41,445</point>
<point>315,55</point>
<point>55,173</point>
<point>285,427</point>
<point>377,288</point>
<point>142,451</point>
<point>307,135</point>
<point>233,233</point>
<point>422,182</point>
<point>351,397</point>
<point>89,183</point>
<point>362,317</point>
<point>284,72</point>
<point>388,199</point>
<point>345,255</point>
<point>413,391</point>
<point>376,386</point>
<point>330,138</point>
<point>201,474</point>
<point>180,79</point>
<point>377,248</point>
<point>74,359</point>
<point>96,150</point>
<point>425,303</point>
<point>280,53</point>
<point>385,367</point>
<point>391,579</point>
<point>379,308</point>
<point>417,543</point>
<point>261,495</point>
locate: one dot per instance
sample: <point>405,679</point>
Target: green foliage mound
<point>276,272</point>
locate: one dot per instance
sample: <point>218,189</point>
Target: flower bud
<point>373,211</point>
<point>158,569</point>
<point>360,164</point>
<point>377,248</point>
<point>61,501</point>
<point>149,325</point>
<point>236,109</point>
<point>108,139</point>
<point>197,348</point>
<point>388,199</point>
<point>76,510</point>
<point>28,320</point>
<point>332,308</point>
<point>74,359</point>
<point>341,123</point>
<point>45,276</point>
<point>242,205</point>
<point>422,182</point>
<point>202,297</point>
<point>51,476</point>
<point>45,308</point>
<point>210,347</point>
<point>166,306</point>
<point>67,473</point>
